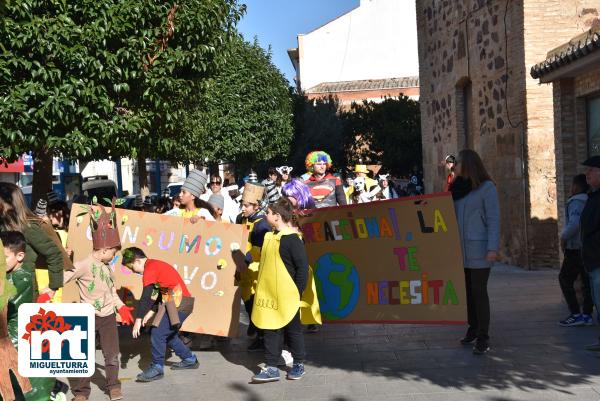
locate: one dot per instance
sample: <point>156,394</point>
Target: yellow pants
<point>42,278</point>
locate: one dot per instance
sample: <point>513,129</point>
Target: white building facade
<point>375,41</point>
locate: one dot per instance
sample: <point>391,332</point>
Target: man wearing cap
<point>191,206</point>
<point>254,218</point>
<point>326,189</point>
<point>590,232</point>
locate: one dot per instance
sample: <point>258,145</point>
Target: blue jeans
<point>163,336</point>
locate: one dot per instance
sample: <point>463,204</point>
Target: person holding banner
<point>173,305</point>
<point>299,196</point>
<point>254,218</point>
<point>326,189</point>
<point>478,216</point>
<point>282,278</point>
<point>191,206</point>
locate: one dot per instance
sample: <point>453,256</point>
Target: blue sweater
<point>478,217</point>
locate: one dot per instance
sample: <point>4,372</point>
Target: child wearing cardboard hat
<point>97,287</point>
<point>254,218</point>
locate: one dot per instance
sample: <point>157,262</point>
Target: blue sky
<point>277,22</point>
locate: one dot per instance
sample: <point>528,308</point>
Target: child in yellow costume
<point>282,278</point>
<point>57,215</point>
<point>253,217</point>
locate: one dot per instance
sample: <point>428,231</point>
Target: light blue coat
<point>478,216</point>
<point>570,233</point>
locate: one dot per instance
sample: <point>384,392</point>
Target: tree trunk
<point>42,176</point>
<point>143,175</point>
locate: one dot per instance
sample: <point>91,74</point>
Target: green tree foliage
<point>244,114</point>
<point>386,133</point>
<point>317,126</point>
<point>95,79</point>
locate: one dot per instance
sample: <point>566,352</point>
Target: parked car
<point>100,187</point>
<point>130,200</point>
<point>174,189</point>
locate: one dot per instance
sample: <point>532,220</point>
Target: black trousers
<point>572,268</point>
<point>478,303</point>
<point>248,305</point>
<point>294,338</point>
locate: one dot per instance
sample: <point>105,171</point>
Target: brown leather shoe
<point>80,398</point>
<point>115,394</point>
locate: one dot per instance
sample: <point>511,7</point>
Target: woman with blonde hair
<point>42,250</point>
<point>478,216</point>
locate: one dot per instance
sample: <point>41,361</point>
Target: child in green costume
<point>44,388</point>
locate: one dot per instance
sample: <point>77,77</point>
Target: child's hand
<point>194,219</point>
<point>147,318</point>
<point>137,326</point>
<point>47,291</point>
<point>43,298</point>
<point>69,252</point>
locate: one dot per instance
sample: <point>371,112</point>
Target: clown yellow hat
<point>361,168</point>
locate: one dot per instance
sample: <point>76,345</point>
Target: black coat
<point>590,232</point>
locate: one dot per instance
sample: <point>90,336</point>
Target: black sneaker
<point>257,346</point>
<point>468,339</point>
<point>481,347</point>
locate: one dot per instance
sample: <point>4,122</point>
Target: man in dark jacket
<point>590,232</point>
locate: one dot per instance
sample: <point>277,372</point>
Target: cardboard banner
<point>396,261</point>
<point>201,253</point>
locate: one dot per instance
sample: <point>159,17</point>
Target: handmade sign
<point>201,253</point>
<point>396,261</point>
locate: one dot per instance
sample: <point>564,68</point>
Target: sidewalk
<point>532,358</point>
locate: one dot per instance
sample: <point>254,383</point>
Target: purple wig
<point>298,190</point>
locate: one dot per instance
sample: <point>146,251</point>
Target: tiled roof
<point>365,85</point>
<point>574,49</point>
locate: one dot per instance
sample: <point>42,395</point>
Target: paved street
<point>532,359</point>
